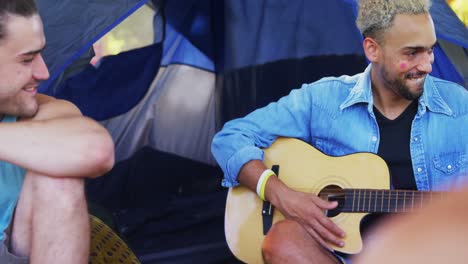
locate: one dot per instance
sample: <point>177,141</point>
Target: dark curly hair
<point>24,8</point>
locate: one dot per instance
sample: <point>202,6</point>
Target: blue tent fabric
<point>69,35</point>
<point>255,33</point>
<point>201,30</point>
<point>177,49</point>
<point>190,33</point>
<point>448,26</point>
<point>443,68</point>
<point>116,85</point>
<point>259,32</point>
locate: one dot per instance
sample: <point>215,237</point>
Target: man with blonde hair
<point>415,122</point>
<point>47,149</point>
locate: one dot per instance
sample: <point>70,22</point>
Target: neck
<point>386,100</point>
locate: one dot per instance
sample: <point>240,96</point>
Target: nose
<point>426,61</point>
<point>40,71</point>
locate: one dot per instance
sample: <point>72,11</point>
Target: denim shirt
<point>336,116</point>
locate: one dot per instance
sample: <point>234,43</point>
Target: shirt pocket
<point>450,170</point>
<point>450,163</point>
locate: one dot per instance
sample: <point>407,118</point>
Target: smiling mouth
<point>416,79</point>
<point>32,90</point>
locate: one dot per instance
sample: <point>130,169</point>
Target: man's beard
<point>18,108</point>
<point>400,87</point>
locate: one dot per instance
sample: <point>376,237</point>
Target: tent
<point>211,61</point>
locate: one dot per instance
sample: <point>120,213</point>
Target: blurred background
<point>134,32</point>
<point>137,30</point>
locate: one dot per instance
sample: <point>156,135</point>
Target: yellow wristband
<point>262,183</point>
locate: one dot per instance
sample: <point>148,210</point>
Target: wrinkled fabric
<point>336,116</point>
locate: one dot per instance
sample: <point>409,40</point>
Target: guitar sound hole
<point>333,193</point>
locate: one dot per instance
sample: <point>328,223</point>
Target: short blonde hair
<point>375,16</point>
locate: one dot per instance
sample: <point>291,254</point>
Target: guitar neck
<point>387,201</point>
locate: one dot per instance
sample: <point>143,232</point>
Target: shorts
<point>6,257</point>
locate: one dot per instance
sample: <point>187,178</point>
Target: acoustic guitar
<point>359,182</point>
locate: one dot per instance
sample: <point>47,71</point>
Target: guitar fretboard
<point>386,201</point>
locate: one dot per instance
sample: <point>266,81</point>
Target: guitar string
<point>394,197</point>
<point>387,195</point>
<point>408,194</point>
<point>394,202</point>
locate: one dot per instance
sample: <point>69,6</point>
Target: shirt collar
<point>432,100</point>
<point>362,93</point>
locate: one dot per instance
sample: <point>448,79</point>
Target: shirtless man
<point>47,149</point>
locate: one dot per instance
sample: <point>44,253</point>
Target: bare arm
<point>304,208</point>
<point>237,149</point>
<point>57,142</point>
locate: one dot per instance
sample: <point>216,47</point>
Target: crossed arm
<point>58,141</point>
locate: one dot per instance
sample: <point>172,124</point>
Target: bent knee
<point>281,238</point>
<point>288,241</point>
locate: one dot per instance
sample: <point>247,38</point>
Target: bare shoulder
<point>43,98</point>
<point>50,108</point>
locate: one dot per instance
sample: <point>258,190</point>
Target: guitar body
<point>302,168</point>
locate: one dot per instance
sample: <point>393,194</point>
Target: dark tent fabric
<point>443,68</point>
<point>191,33</point>
<point>448,26</point>
<point>258,32</point>
<point>213,61</point>
<point>164,213</point>
<point>70,35</point>
<point>263,36</point>
<point>99,91</point>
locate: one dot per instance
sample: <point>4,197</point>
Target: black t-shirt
<point>394,148</point>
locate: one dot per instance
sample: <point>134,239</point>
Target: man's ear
<point>371,49</point>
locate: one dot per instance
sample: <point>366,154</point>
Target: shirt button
<point>419,169</point>
<point>449,167</point>
<point>415,139</point>
<point>374,138</point>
